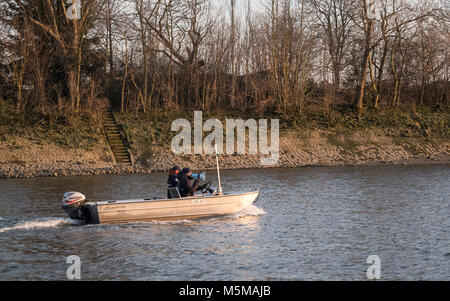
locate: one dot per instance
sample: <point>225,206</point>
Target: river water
<point>309,224</point>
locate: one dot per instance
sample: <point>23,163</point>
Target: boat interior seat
<point>174,193</point>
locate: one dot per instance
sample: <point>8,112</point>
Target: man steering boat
<point>185,185</point>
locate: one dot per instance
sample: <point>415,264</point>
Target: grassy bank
<point>344,128</point>
<point>61,128</point>
<point>55,143</point>
<point>34,144</point>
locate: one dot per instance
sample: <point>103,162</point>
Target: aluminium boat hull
<point>124,211</point>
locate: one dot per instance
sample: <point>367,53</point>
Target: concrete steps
<point>115,138</point>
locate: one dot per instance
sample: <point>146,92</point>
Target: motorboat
<point>208,203</point>
<point>142,210</point>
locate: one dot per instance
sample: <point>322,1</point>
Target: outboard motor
<point>72,202</point>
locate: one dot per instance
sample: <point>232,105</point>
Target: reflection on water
<point>309,224</point>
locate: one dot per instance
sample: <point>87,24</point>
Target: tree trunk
<point>71,86</point>
<point>363,79</point>
<point>122,100</point>
<point>365,63</point>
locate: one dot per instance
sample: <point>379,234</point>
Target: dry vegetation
<point>179,55</point>
<point>333,68</point>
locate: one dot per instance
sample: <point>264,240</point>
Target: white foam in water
<point>39,223</point>
<point>251,210</point>
<point>169,222</point>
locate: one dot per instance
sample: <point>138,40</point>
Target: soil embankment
<point>76,146</point>
<point>24,158</point>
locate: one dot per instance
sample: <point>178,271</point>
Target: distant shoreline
<point>122,169</point>
<point>38,150</point>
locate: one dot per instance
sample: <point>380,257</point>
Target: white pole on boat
<point>218,172</point>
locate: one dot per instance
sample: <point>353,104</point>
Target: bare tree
<point>334,19</point>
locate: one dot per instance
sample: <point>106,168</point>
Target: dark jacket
<point>185,186</point>
<point>171,182</point>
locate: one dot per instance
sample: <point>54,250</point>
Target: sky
<point>241,6</point>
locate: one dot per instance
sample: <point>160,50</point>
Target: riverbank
<point>30,150</point>
<point>66,162</point>
<point>320,150</point>
<point>25,158</point>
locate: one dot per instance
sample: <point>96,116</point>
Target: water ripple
<point>309,224</point>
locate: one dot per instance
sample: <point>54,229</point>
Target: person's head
<point>187,171</point>
<point>174,170</point>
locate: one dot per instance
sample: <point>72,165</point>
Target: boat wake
<point>169,222</point>
<point>40,223</point>
<point>250,210</point>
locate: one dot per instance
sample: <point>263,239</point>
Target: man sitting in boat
<point>173,179</point>
<point>185,186</point>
